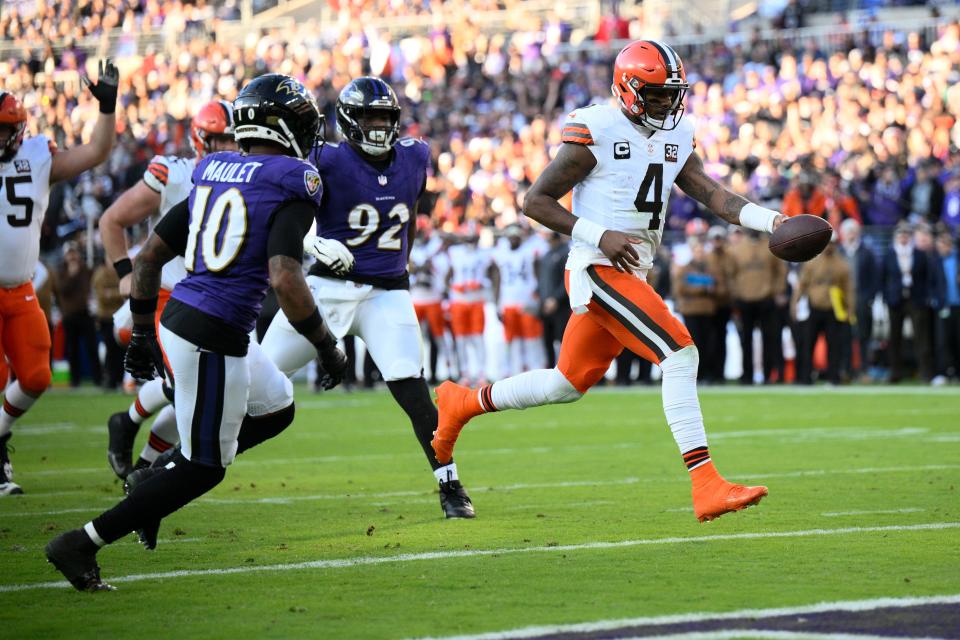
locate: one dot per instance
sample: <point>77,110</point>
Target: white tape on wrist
<point>753,216</point>
<point>587,231</point>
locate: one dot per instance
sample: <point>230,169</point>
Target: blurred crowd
<point>861,126</point>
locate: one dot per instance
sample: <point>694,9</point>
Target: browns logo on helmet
<point>214,122</point>
<point>13,122</point>
<point>650,84</point>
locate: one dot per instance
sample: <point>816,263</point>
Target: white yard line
<point>764,634</point>
<point>421,495</point>
<point>342,563</point>
<point>837,514</point>
<point>685,618</point>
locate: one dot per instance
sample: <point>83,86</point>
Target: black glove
<point>144,359</point>
<point>333,361</point>
<point>105,91</point>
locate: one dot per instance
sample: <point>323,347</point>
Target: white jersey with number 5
<point>170,176</point>
<point>24,193</point>
<point>629,187</point>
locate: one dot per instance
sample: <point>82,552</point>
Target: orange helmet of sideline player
<point>13,122</point>
<point>211,129</point>
<point>650,83</point>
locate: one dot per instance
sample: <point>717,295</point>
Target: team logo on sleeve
<point>621,150</point>
<point>671,152</point>
<point>22,166</point>
<point>311,180</point>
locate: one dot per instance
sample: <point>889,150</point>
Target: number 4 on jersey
<point>654,177</point>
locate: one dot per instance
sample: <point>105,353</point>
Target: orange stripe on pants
<point>466,318</point>
<point>518,324</point>
<point>625,312</point>
<point>432,314</point>
<point>163,297</point>
<point>25,337</point>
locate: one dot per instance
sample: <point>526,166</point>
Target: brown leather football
<point>800,238</point>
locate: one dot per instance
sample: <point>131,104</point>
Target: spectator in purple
<point>950,213</point>
<point>886,205</point>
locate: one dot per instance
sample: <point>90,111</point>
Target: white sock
<point>163,434</point>
<point>447,473</point>
<point>93,535</point>
<point>515,356</point>
<point>463,357</point>
<point>535,356</point>
<point>447,353</point>
<point>15,404</point>
<point>480,362</point>
<point>150,399</point>
<point>533,389</point>
<point>680,403</point>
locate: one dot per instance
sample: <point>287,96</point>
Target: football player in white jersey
<point>470,269</point>
<point>621,162</point>
<point>428,273</point>
<point>166,182</point>
<point>27,170</point>
<point>516,261</point>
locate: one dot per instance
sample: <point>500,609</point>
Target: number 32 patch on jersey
<point>311,180</point>
<point>671,152</point>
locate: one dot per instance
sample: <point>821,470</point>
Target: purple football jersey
<point>232,202</point>
<point>368,210</point>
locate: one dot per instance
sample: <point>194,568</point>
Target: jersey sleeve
<point>303,182</point>
<point>576,130</point>
<point>157,174</point>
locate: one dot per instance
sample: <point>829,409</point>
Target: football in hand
<point>800,238</point>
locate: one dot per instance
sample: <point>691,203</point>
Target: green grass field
<point>583,515</point>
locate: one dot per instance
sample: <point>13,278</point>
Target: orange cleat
<point>456,404</point>
<point>713,496</point>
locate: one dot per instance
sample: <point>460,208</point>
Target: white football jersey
<point>629,187</point>
<point>518,278</point>
<point>171,177</point>
<point>24,193</point>
<point>427,286</point>
<point>469,267</point>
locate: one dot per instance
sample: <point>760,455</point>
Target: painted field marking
<point>837,514</point>
<point>685,618</point>
<point>764,634</point>
<point>341,563</point>
<point>420,495</point>
<point>798,390</point>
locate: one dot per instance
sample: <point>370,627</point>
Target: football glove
<point>333,254</point>
<point>144,359</point>
<point>333,361</point>
<point>105,90</point>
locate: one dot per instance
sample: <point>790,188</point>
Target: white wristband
<point>587,231</point>
<point>753,216</point>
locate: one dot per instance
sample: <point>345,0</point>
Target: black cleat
<point>75,556</point>
<point>454,500</point>
<point>123,432</point>
<point>148,534</point>
<point>7,486</point>
<point>166,457</point>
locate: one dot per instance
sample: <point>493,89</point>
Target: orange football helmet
<point>214,119</point>
<point>14,115</point>
<point>650,83</point>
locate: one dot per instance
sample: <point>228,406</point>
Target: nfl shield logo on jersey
<point>382,180</point>
<point>22,166</point>
<point>671,153</point>
<point>311,179</point>
<point>621,150</point>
